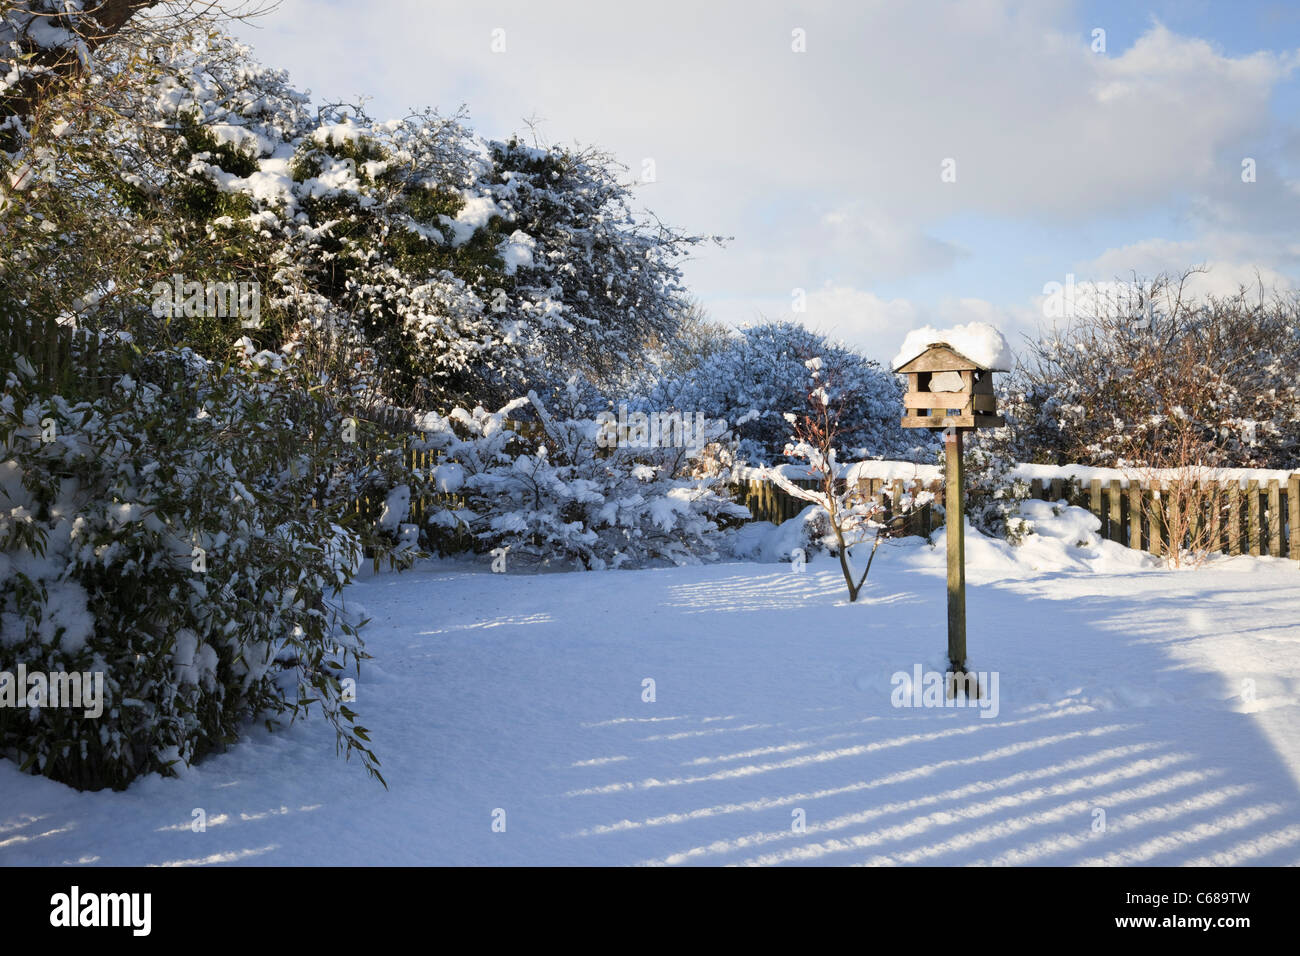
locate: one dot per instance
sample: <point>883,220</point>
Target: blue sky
<point>825,164</point>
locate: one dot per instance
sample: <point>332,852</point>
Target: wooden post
<point>953,503</point>
<point>1293,510</point>
<point>1094,503</point>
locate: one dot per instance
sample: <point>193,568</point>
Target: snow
<point>978,341</point>
<point>1076,526</point>
<point>906,470</point>
<point>271,183</point>
<point>449,477</point>
<point>193,661</point>
<point>1087,473</point>
<point>517,251</point>
<point>397,506</point>
<point>337,134</point>
<point>887,470</point>
<point>473,215</point>
<point>1168,699</point>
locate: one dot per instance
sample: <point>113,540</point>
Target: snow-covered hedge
<point>571,498</point>
<point>165,537</point>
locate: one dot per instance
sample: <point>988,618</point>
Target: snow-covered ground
<point>1122,688</point>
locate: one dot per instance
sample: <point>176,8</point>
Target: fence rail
<point>767,501</point>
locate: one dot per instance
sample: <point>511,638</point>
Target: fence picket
<point>1155,520</point>
<point>1135,515</point>
<point>1115,528</point>
<point>1234,518</point>
<point>1252,515</point>
<point>1274,519</point>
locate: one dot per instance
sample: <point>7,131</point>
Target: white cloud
<point>825,165</point>
<point>1231,261</point>
<point>877,326</point>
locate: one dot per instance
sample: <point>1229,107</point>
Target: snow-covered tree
<point>462,270</point>
<point>759,376</point>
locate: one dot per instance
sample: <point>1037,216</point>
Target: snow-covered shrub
<point>176,535</point>
<point>1076,527</point>
<point>567,497</point>
<point>808,532</point>
<point>993,494</point>
<point>759,376</point>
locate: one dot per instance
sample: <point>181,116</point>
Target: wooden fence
<point>71,362</point>
<point>1256,517</point>
<point>767,501</point>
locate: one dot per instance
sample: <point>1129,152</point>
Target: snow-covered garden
<point>373,491</point>
<point>1144,716</point>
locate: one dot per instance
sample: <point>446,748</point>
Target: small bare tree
<point>853,517</point>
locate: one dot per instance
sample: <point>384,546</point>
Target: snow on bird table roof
<point>978,341</point>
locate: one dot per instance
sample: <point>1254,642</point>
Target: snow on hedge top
<point>978,341</point>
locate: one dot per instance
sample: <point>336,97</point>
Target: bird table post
<point>951,393</point>
<point>954,493</point>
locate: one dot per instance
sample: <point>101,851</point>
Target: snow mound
<point>1064,538</point>
<point>396,507</point>
<point>1075,526</point>
<point>978,341</point>
<point>766,542</point>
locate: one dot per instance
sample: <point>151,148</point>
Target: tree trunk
<point>51,65</point>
